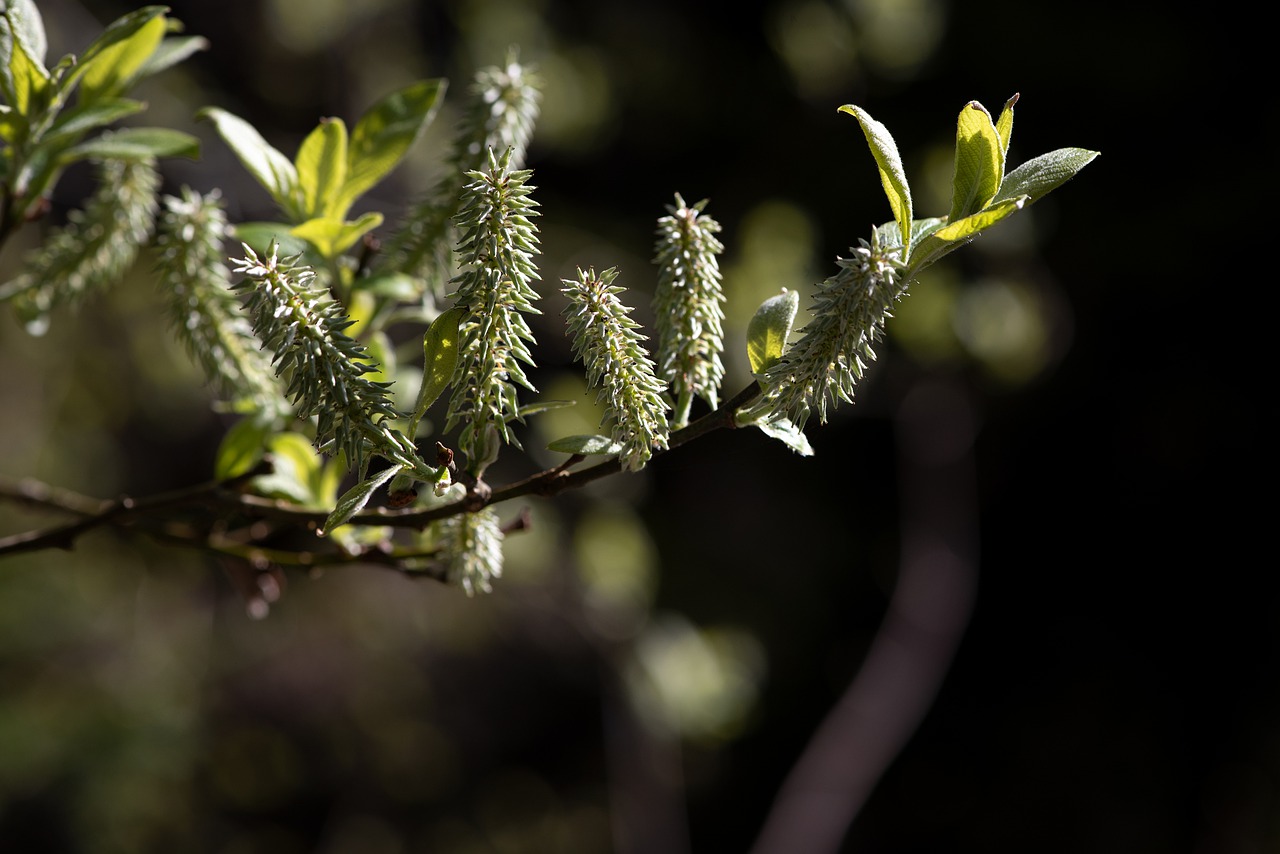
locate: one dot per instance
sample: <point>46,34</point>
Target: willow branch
<point>225,495</point>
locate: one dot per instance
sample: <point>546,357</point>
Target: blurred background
<point>1027,547</point>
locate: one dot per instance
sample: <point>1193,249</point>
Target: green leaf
<point>784,431</point>
<point>108,69</point>
<point>979,162</point>
<point>259,236</point>
<point>322,168</point>
<point>1004,125</point>
<point>384,134</point>
<point>170,52</point>
<point>120,30</point>
<point>769,329</point>
<point>355,498</point>
<point>332,237</point>
<point>1045,173</point>
<point>539,406</point>
<point>272,169</point>
<point>892,176</point>
<point>439,359</point>
<point>135,144</point>
<point>75,122</point>
<point>21,25</point>
<point>953,235</point>
<point>585,446</point>
<point>296,470</point>
<point>241,449</point>
<point>28,80</point>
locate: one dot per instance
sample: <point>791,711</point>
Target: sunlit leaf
<point>769,329</point>
<point>322,168</point>
<point>332,237</point>
<point>135,144</point>
<point>585,445</point>
<point>1045,173</point>
<point>979,162</point>
<point>355,498</point>
<point>272,169</point>
<point>384,134</point>
<point>110,65</point>
<point>439,357</point>
<point>892,176</point>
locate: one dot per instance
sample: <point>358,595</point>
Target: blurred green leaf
<point>21,25</point>
<point>297,470</point>
<point>584,445</point>
<point>170,52</point>
<point>241,449</point>
<point>113,60</point>
<point>135,144</point>
<point>74,122</point>
<point>332,237</point>
<point>384,134</point>
<point>259,236</point>
<point>269,167</point>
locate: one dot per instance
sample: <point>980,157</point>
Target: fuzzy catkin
<point>849,311</point>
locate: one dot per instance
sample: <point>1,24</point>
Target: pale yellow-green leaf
<point>322,168</point>
<point>979,162</point>
<point>892,176</point>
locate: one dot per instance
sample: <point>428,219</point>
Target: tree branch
<point>227,497</point>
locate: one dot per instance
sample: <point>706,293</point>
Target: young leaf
<point>28,80</point>
<point>787,433</point>
<point>242,447</point>
<point>272,169</point>
<point>769,329</point>
<point>134,144</point>
<point>21,25</point>
<point>260,235</point>
<point>1004,125</point>
<point>892,176</point>
<point>585,445</point>
<point>120,30</point>
<point>1042,174</point>
<point>948,238</point>
<point>355,498</point>
<point>440,358</point>
<point>979,162</point>
<point>322,168</point>
<point>110,70</point>
<point>332,237</point>
<point>295,469</point>
<point>72,123</point>
<point>170,53</point>
<point>384,134</point>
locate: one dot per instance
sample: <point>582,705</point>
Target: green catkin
<point>303,327</point>
<point>471,545</point>
<point>849,311</point>
<point>606,342</point>
<point>501,113</point>
<point>688,306</point>
<point>205,313</point>
<point>95,248</point>
<point>496,252</point>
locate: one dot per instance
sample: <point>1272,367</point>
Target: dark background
<point>1114,689</point>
